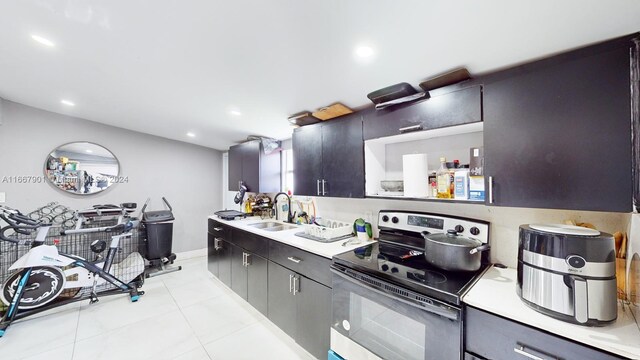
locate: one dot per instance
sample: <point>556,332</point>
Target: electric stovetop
<point>412,272</point>
<point>398,257</point>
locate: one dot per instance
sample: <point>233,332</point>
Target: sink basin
<point>272,226</point>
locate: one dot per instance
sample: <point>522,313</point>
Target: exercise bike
<point>44,274</point>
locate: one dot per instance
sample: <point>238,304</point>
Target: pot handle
<point>480,248</point>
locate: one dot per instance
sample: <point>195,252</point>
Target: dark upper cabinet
<point>557,133</point>
<point>307,159</point>
<point>457,107</point>
<point>259,172</point>
<point>329,158</point>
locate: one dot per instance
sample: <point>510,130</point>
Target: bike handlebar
<point>120,228</point>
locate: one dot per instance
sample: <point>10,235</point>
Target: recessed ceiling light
<point>43,41</point>
<point>235,112</point>
<point>190,134</point>
<point>67,102</point>
<point>364,51</point>
<point>89,151</point>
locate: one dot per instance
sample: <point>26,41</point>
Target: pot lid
<point>565,229</point>
<point>453,239</point>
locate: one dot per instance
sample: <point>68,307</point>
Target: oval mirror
<point>82,168</point>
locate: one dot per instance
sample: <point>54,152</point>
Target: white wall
<point>189,176</point>
<point>504,221</point>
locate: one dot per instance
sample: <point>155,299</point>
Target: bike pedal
<point>93,298</point>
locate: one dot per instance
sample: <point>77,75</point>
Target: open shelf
<point>384,156</point>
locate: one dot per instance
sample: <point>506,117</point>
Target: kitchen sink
<point>272,226</point>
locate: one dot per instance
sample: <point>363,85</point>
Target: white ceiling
<point>167,67</point>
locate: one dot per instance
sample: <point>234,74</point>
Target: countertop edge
<point>495,296</point>
<point>288,237</point>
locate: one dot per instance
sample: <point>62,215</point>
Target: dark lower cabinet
<point>313,317</point>
<point>238,272</point>
<point>249,277</point>
<point>488,336</point>
<point>557,133</point>
<point>282,304</point>
<point>224,262</point>
<point>212,255</point>
<point>257,283</point>
<point>285,283</point>
<point>301,307</point>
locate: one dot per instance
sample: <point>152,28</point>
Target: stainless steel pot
<point>453,252</point>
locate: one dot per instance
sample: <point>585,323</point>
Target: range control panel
<point>433,223</point>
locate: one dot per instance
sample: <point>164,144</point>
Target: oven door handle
<point>447,312</point>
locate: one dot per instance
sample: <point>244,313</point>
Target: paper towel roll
<point>415,174</point>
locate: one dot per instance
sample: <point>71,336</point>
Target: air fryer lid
<point>565,229</point>
<point>558,244</point>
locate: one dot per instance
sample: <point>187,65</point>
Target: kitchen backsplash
<point>504,221</point>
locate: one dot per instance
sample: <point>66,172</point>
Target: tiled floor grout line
<point>187,321</point>
<point>75,339</point>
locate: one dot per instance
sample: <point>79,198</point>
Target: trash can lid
<point>157,216</point>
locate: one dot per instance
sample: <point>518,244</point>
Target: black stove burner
<point>430,277</point>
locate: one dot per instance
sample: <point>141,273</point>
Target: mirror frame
<point>50,182</point>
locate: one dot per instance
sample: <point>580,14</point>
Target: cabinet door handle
<point>323,192</point>
<point>318,187</point>
<point>247,260</point>
<point>244,259</point>
<point>490,185</point>
<point>290,283</point>
<point>216,244</point>
<point>522,350</point>
<point>294,259</point>
<point>217,229</point>
<point>296,288</point>
<point>410,128</point>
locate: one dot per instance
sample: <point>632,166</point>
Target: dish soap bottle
<point>443,178</point>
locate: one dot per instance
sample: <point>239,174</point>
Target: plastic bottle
<point>443,178</point>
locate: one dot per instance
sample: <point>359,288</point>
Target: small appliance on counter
<point>229,214</point>
<point>568,272</point>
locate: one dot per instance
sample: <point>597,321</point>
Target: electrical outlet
<point>2,197</point>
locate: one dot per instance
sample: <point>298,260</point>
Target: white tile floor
<point>185,315</point>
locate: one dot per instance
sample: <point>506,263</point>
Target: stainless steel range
<point>389,303</point>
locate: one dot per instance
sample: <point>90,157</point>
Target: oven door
<point>392,322</point>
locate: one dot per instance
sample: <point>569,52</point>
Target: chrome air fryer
<point>568,272</point>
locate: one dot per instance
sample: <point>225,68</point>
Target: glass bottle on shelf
<point>443,178</point>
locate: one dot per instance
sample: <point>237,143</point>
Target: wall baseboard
<point>191,254</point>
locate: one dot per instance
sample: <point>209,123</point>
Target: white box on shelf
<point>476,188</point>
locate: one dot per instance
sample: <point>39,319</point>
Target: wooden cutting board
<point>332,111</point>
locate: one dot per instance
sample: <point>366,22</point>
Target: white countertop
<point>495,292</point>
<point>288,237</point>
